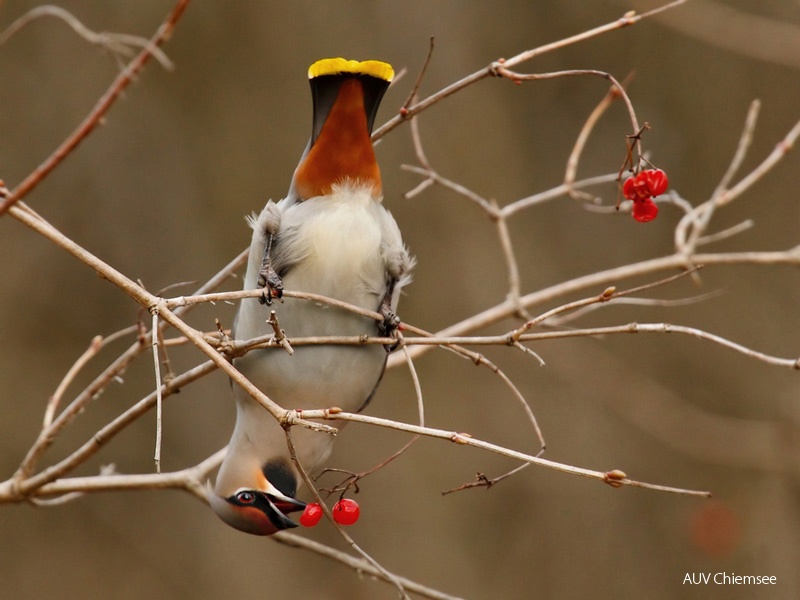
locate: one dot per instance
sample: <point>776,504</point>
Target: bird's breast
<point>332,246</point>
<point>338,238</point>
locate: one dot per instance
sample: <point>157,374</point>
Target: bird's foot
<point>271,283</point>
<point>388,327</point>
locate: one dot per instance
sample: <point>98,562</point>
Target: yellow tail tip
<point>337,66</point>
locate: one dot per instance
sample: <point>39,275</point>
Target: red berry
<point>311,515</point>
<point>647,183</point>
<point>346,511</point>
<point>636,188</point>
<point>656,179</point>
<point>644,210</point>
<point>628,190</point>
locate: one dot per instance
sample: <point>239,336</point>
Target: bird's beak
<point>282,505</point>
<point>286,504</point>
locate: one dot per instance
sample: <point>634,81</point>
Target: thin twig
<point>605,296</point>
<point>480,359</point>
<point>118,43</point>
<point>94,347</point>
<point>791,363</point>
<point>412,95</point>
<point>433,176</point>
<point>571,171</point>
<point>565,319</point>
<point>512,268</point>
<point>279,334</point>
<point>700,217</point>
<point>417,386</point>
<point>481,480</point>
<point>216,280</point>
<point>782,148</point>
<point>358,565</point>
<point>157,366</point>
<point>503,71</point>
<point>725,233</point>
<point>353,478</point>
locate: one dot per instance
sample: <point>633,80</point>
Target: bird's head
<point>257,500</point>
<point>346,95</point>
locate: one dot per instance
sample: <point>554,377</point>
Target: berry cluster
<point>641,189</point>
<point>345,512</point>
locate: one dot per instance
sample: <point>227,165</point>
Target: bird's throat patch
<point>343,150</point>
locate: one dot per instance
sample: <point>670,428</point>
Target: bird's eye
<point>246,497</point>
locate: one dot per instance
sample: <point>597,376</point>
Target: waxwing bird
<point>331,236</point>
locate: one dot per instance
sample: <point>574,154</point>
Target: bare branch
<point>465,439</point>
<point>191,480</point>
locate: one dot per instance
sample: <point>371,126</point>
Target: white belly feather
<point>335,246</point>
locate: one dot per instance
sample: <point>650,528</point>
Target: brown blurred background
<point>161,190</point>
